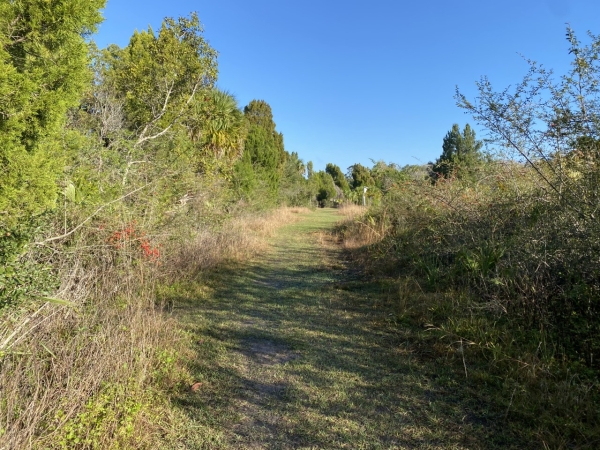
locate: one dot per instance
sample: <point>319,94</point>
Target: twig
<point>510,403</point>
<point>56,238</point>
<point>7,340</point>
<point>462,352</point>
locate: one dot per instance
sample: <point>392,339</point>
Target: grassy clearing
<point>294,349</point>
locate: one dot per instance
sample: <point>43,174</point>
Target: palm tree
<point>217,124</point>
<point>225,129</point>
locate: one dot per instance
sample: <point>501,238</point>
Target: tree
<point>261,149</point>
<point>338,177</point>
<point>294,189</point>
<point>258,112</point>
<point>360,176</point>
<point>43,72</point>
<point>157,79</point>
<point>218,126</point>
<point>297,164</point>
<point>309,169</point>
<point>325,187</point>
<point>386,176</point>
<point>460,153</point>
<point>158,75</point>
<point>551,125</point>
<point>264,154</point>
<point>551,129</point>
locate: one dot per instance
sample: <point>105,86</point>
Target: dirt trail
<point>293,351</point>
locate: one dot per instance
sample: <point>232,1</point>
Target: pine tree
<point>460,153</point>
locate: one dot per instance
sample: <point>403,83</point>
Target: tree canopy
<point>158,75</point>
<point>264,153</point>
<point>338,176</point>
<point>43,72</point>
<point>460,152</point>
<point>360,176</point>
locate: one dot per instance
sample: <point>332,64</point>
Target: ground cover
<point>297,349</point>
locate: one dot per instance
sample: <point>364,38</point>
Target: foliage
<point>111,408</point>
<point>324,186</point>
<point>156,120</point>
<point>43,71</point>
<point>294,189</point>
<point>505,259</point>
<point>263,154</point>
<point>258,173</point>
<point>218,126</point>
<point>22,277</point>
<point>481,262</point>
<point>359,176</point>
<point>553,126</point>
<point>158,75</point>
<point>260,163</point>
<point>309,169</point>
<point>338,177</point>
<point>145,165</point>
<point>460,153</point>
<point>387,176</point>
<point>138,107</point>
<point>259,113</point>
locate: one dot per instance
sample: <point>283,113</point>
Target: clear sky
<point>350,80</point>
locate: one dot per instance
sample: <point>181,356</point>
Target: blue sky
<point>349,80</point>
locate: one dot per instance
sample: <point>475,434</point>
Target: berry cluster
<point>128,234</point>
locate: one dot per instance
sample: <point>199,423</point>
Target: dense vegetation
<point>503,248</point>
<point>125,171</point>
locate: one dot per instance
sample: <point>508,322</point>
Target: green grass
<point>296,349</point>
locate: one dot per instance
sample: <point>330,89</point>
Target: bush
<point>496,264</point>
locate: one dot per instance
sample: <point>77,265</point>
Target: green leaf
<point>70,192</point>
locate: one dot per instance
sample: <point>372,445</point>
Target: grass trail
<point>293,350</point>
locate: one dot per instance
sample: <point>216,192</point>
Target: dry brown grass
<point>351,211</point>
<point>83,375</point>
<point>358,229</point>
<point>239,239</point>
<point>96,373</point>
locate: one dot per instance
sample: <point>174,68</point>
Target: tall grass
<point>94,366</point>
<point>238,239</point>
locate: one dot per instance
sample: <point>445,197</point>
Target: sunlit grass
<point>295,350</point>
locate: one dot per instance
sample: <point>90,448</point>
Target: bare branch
<point>56,238</point>
<point>143,138</point>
